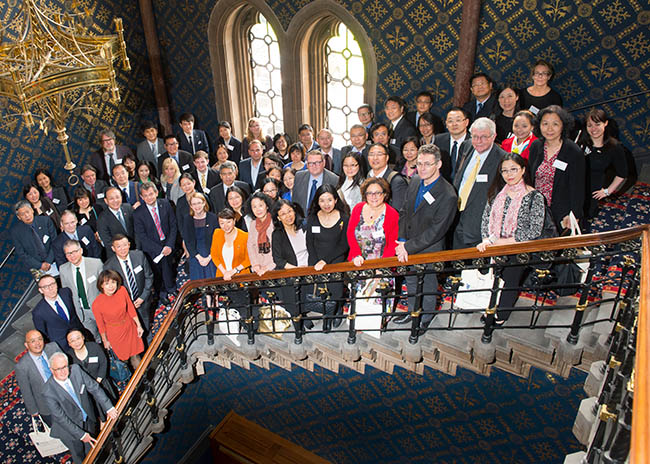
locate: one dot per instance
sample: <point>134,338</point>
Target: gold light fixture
<point>57,67</point>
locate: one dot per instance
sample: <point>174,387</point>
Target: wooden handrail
<point>639,453</point>
<point>550,244</point>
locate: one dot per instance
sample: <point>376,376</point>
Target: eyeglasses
<point>267,191</point>
<point>375,155</point>
<point>71,252</point>
<point>106,140</point>
<point>53,284</point>
<point>59,369</point>
<point>171,144</point>
<point>375,194</point>
<point>425,165</point>
<point>510,171</point>
<point>480,84</point>
<point>482,137</point>
<point>541,73</point>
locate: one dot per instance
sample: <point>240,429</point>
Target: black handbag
<point>119,370</point>
<point>315,302</point>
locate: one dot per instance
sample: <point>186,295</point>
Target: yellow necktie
<point>469,183</point>
<point>203,181</point>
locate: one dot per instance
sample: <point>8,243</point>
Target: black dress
<point>95,365</point>
<point>91,219</point>
<point>599,160</point>
<point>504,127</point>
<point>551,98</point>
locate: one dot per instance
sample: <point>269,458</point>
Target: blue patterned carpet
<point>352,418</point>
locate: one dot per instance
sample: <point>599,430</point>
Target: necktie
<point>81,290</point>
<point>110,162</point>
<point>454,157</point>
<point>156,220</point>
<point>312,192</point>
<point>479,107</point>
<point>189,139</point>
<point>203,183</point>
<point>73,394</point>
<point>154,149</point>
<point>133,284</point>
<point>469,183</point>
<point>59,309</point>
<point>92,190</point>
<point>46,368</point>
<point>126,193</point>
<point>120,217</point>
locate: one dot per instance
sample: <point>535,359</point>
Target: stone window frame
<point>302,59</point>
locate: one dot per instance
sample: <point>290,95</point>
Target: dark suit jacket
<point>569,185</point>
<point>48,322</point>
<point>213,178</point>
<point>364,156</point>
<point>67,419</point>
<point>108,225</point>
<point>403,129</point>
<point>218,197</point>
<point>234,153</point>
<point>200,142</point>
<point>98,162</point>
<point>60,199</point>
<point>245,174</point>
<point>87,241</point>
<point>438,125</point>
<point>189,233</point>
<point>300,192</point>
<point>488,109</point>
<point>100,187</point>
<point>449,165</point>
<point>144,153</point>
<point>425,229</point>
<point>142,271</point>
<point>282,249</point>
<point>27,250</point>
<point>186,163</point>
<point>145,228</point>
<point>469,220</point>
<point>398,187</point>
<point>134,194</point>
<point>334,164</point>
<point>31,382</point>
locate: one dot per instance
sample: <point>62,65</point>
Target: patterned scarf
<point>263,242</point>
<point>501,227</point>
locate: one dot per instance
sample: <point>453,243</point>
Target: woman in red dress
<point>116,318</point>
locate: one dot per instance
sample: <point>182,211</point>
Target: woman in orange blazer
<point>229,249</point>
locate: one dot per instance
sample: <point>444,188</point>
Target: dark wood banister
<point>639,434</point>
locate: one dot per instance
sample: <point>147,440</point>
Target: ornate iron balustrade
<point>167,364</point>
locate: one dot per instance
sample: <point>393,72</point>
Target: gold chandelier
<point>57,67</point>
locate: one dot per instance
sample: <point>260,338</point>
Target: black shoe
<point>327,325</point>
<point>402,319</point>
<point>338,320</point>
<point>164,301</point>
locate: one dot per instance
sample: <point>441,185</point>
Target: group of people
<point>491,173</point>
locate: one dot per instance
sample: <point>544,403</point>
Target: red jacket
<point>507,145</point>
<point>391,231</point>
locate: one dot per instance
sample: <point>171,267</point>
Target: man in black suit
<point>126,263</point>
<point>424,220</point>
<point>378,161</point>
<point>55,314</point>
<point>155,227</point>
<point>151,147</point>
<point>475,174</point>
<point>32,371</point>
<point>359,144</point>
<point>307,182</point>
<point>483,102</point>
<point>191,140</point>
<point>366,116</point>
<point>451,141</point>
<point>72,231</point>
<point>332,155</point>
<point>73,412</point>
<point>183,158</point>
<point>423,104</point>
<point>306,137</point>
<point>400,127</point>
<point>228,174</point>
<point>108,155</point>
<point>232,144</point>
<point>251,169</point>
<point>33,237</point>
<point>204,176</point>
<point>380,133</point>
<point>117,218</point>
<point>95,186</point>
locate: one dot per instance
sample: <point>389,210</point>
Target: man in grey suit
<point>332,155</point>
<point>475,174</point>
<point>73,414</point>
<point>116,219</point>
<point>32,371</point>
<point>133,263</point>
<point>228,174</point>
<point>426,216</point>
<point>79,274</point>
<point>151,147</point>
<point>307,182</point>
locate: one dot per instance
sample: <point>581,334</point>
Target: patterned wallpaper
<point>23,150</point>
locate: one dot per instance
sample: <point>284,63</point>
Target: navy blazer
<point>87,241</point>
<point>142,270</point>
<point>48,322</point>
<point>234,153</point>
<point>186,162</point>
<point>145,228</point>
<point>27,250</point>
<point>198,137</point>
<point>245,174</point>
<point>189,233</point>
<point>213,178</point>
<point>488,109</point>
<point>134,194</point>
<point>403,130</point>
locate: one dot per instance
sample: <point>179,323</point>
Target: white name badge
<point>429,198</point>
<point>56,201</point>
<point>533,109</point>
<point>119,161</point>
<point>137,269</point>
<point>587,150</point>
<point>186,167</point>
<point>378,234</point>
<point>82,389</point>
<point>83,221</point>
<point>93,359</point>
<point>393,141</point>
<point>315,229</point>
<point>481,178</point>
<point>561,165</point>
<point>45,238</point>
<point>206,190</point>
<point>85,240</point>
<point>49,212</point>
<point>100,196</point>
<point>92,279</point>
<point>230,147</point>
<point>198,142</point>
